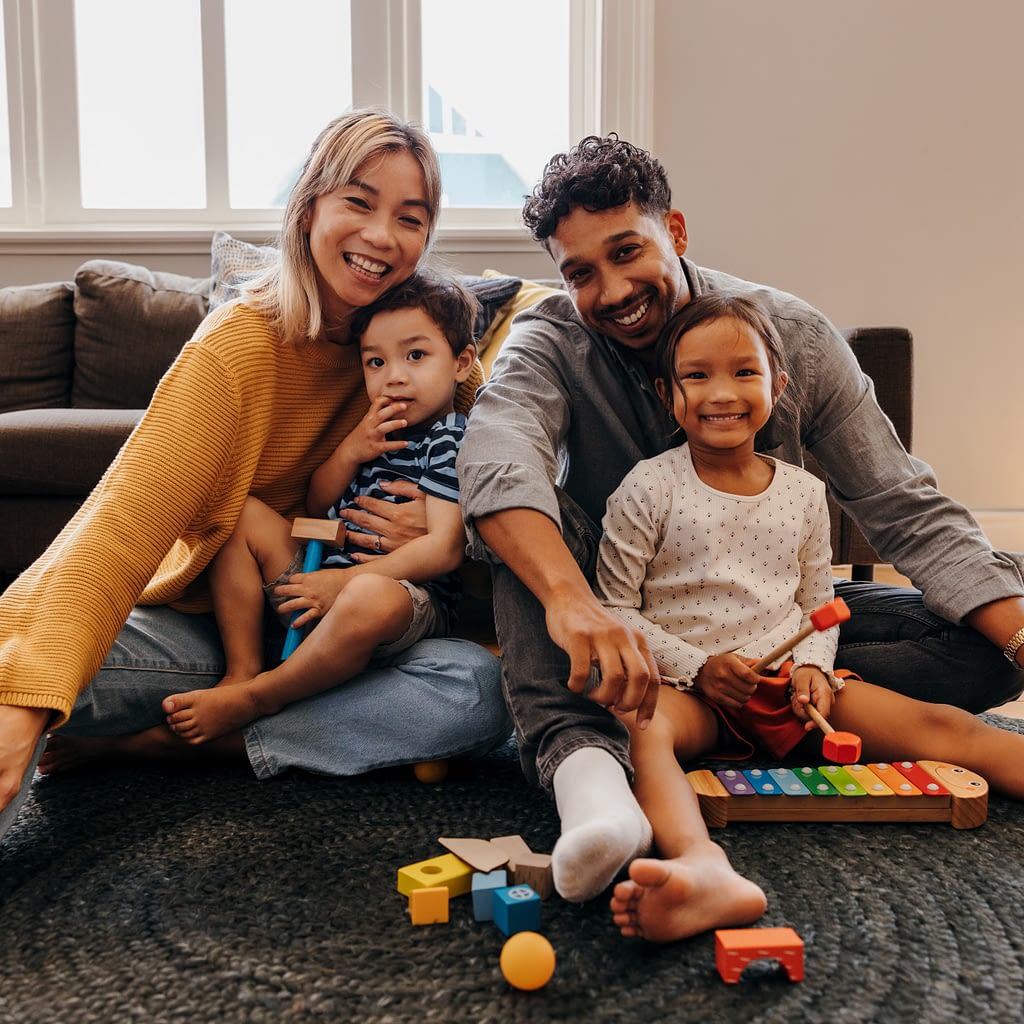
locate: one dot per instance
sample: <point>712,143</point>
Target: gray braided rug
<point>163,897</point>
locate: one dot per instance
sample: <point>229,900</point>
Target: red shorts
<point>766,723</point>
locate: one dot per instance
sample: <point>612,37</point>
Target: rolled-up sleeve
<point>509,456</point>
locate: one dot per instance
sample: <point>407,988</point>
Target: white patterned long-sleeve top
<point>702,572</point>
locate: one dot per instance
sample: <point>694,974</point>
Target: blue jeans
<point>891,640</point>
<point>436,699</point>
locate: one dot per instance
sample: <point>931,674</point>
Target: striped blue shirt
<point>427,461</point>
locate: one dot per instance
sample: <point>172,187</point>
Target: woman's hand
<point>20,730</point>
<point>393,523</point>
<point>727,679</point>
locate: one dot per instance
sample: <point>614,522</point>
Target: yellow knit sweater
<point>237,413</point>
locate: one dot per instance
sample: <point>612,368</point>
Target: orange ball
<point>431,771</point>
<point>527,961</point>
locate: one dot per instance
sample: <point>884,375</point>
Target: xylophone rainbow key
<point>904,791</point>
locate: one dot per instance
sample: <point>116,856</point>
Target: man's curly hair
<point>597,174</point>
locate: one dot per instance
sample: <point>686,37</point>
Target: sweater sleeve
<point>59,619</point>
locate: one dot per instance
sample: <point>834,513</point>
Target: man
<point>571,407</point>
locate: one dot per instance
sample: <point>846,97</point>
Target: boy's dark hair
<point>597,174</point>
<point>451,306</point>
<point>713,306</point>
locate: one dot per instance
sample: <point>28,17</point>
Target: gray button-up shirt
<point>569,407</point>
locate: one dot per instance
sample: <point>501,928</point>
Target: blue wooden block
<point>516,908</point>
<point>483,892</point>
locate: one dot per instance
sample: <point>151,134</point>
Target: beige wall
<point>869,156</point>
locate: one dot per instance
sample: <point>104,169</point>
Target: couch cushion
<point>132,322</point>
<point>233,262</point>
<point>37,333</point>
<point>60,451</point>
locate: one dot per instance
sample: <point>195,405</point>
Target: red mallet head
<point>830,614</point>
<point>841,747</point>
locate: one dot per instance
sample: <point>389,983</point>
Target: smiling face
<point>622,271</point>
<point>723,391</point>
<point>368,235</point>
<point>406,358</point>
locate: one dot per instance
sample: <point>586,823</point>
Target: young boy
<point>416,347</point>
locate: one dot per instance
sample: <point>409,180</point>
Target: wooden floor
<point>887,574</point>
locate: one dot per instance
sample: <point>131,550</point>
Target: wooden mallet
<point>841,747</point>
<point>316,533</point>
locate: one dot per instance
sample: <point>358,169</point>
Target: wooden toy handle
<point>828,615</point>
<point>818,719</point>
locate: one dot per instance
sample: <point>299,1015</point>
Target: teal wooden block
<point>516,908</point>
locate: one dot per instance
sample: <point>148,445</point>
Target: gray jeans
<point>891,640</point>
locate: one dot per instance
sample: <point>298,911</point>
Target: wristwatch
<point>1013,645</point>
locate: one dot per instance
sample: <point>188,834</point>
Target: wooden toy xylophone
<point>904,791</point>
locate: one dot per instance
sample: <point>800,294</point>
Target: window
<point>189,114</point>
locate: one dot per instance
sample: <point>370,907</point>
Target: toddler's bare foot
<point>665,900</point>
<point>202,715</point>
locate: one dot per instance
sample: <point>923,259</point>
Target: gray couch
<point>79,361</point>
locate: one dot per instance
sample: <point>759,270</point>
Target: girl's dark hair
<point>724,306</point>
<point>597,174</point>
<point>451,306</point>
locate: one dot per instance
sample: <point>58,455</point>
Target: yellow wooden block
<point>429,905</point>
<point>447,870</point>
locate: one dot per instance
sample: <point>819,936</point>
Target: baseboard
<point>1003,527</point>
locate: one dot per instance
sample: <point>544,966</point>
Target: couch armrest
<point>60,452</point>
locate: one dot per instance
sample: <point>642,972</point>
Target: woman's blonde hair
<point>287,292</point>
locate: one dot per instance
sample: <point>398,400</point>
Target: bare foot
<point>665,900</point>
<point>202,715</point>
<point>156,745</point>
<point>66,753</point>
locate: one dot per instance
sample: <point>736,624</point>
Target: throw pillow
<point>131,324</point>
<point>37,334</point>
<point>529,294</point>
<point>233,263</point>
<point>492,292</point>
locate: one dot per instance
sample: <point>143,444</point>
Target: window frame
<point>614,92</point>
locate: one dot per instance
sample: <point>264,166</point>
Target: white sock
<point>603,827</point>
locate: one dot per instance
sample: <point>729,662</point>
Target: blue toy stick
<point>314,554</point>
<point>316,532</point>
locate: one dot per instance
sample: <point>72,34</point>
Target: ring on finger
<point>376,546</point>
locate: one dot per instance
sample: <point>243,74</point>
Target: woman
<point>256,400</point>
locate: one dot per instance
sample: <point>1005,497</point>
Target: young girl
<point>719,554</point>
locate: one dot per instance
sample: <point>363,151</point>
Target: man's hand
<point>393,523</point>
<point>594,637</point>
<point>20,729</point>
<point>727,679</point>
